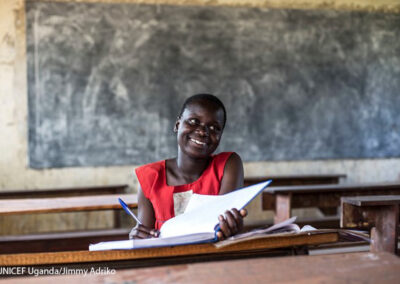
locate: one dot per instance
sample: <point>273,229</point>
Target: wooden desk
<point>65,204</point>
<point>283,198</point>
<point>169,255</point>
<point>380,213</point>
<point>68,192</point>
<point>61,241</point>
<point>285,180</point>
<point>338,268</point>
<point>64,192</point>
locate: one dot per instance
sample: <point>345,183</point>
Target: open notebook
<point>198,224</point>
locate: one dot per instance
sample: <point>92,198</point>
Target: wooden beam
<point>379,213</point>
<point>282,207</point>
<point>64,191</point>
<point>65,204</point>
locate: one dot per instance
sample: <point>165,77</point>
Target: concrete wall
<point>15,173</point>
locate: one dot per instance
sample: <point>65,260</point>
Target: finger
<point>243,212</point>
<point>155,233</point>
<point>136,234</point>
<point>223,225</point>
<point>142,232</point>
<point>239,219</point>
<point>220,236</point>
<point>232,222</point>
<point>144,229</point>
<point>132,234</point>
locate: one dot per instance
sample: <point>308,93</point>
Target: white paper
<point>152,242</point>
<point>126,244</point>
<point>197,200</point>
<point>196,225</point>
<point>201,219</point>
<point>307,228</point>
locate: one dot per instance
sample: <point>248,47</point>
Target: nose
<point>202,130</point>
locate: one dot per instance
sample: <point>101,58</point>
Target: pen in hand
<point>129,211</point>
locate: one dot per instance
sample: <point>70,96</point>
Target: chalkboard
<point>106,81</point>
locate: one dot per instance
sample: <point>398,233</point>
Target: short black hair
<point>203,97</point>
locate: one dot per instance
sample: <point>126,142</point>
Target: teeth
<point>197,142</point>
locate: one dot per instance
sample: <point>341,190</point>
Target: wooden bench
<point>286,180</point>
<point>62,241</point>
<point>63,192</point>
<point>283,199</point>
<point>379,213</point>
<point>59,241</point>
<point>65,204</point>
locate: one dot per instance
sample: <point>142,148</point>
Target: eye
<point>193,121</point>
<point>215,128</point>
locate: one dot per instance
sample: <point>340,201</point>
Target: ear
<point>177,122</point>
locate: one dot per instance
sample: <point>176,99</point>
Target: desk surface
<point>249,247</point>
<point>65,204</point>
<point>70,191</point>
<point>377,200</point>
<point>296,177</point>
<point>289,180</point>
<point>336,268</point>
<point>332,188</point>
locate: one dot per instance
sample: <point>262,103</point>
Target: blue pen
<point>127,210</point>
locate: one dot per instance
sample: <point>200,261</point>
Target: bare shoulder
<point>233,174</point>
<point>233,161</point>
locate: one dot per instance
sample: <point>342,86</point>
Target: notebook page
<point>204,218</point>
<point>197,200</point>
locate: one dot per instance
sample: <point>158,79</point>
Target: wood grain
<point>325,196</point>
<point>69,191</point>
<point>373,200</point>
<point>288,180</point>
<point>65,204</point>
<point>380,213</point>
<point>340,268</point>
<point>269,242</point>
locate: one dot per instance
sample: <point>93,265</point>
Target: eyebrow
<point>195,115</point>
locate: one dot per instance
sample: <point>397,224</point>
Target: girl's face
<point>199,129</point>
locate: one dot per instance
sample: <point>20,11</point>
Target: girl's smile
<point>199,129</point>
<point>198,142</point>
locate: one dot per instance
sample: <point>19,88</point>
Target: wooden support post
<point>379,213</point>
<point>282,207</point>
<point>384,234</point>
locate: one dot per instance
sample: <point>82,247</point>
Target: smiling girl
<point>166,186</point>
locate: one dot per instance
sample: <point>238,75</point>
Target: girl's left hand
<point>231,224</point>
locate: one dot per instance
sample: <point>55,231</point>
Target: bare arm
<point>233,174</point>
<point>232,222</point>
<point>146,216</point>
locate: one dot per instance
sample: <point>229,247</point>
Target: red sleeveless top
<point>153,180</point>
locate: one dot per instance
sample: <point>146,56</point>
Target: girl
<point>166,186</point>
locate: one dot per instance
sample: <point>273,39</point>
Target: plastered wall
<point>15,173</point>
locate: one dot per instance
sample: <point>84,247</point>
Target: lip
<point>198,142</point>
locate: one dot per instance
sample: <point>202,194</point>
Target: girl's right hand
<point>142,232</point>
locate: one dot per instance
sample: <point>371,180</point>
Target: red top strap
<point>152,179</point>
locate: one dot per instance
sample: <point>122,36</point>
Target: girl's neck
<point>185,170</point>
<point>190,166</point>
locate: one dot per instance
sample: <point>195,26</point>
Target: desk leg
<point>384,234</point>
<point>282,207</point>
